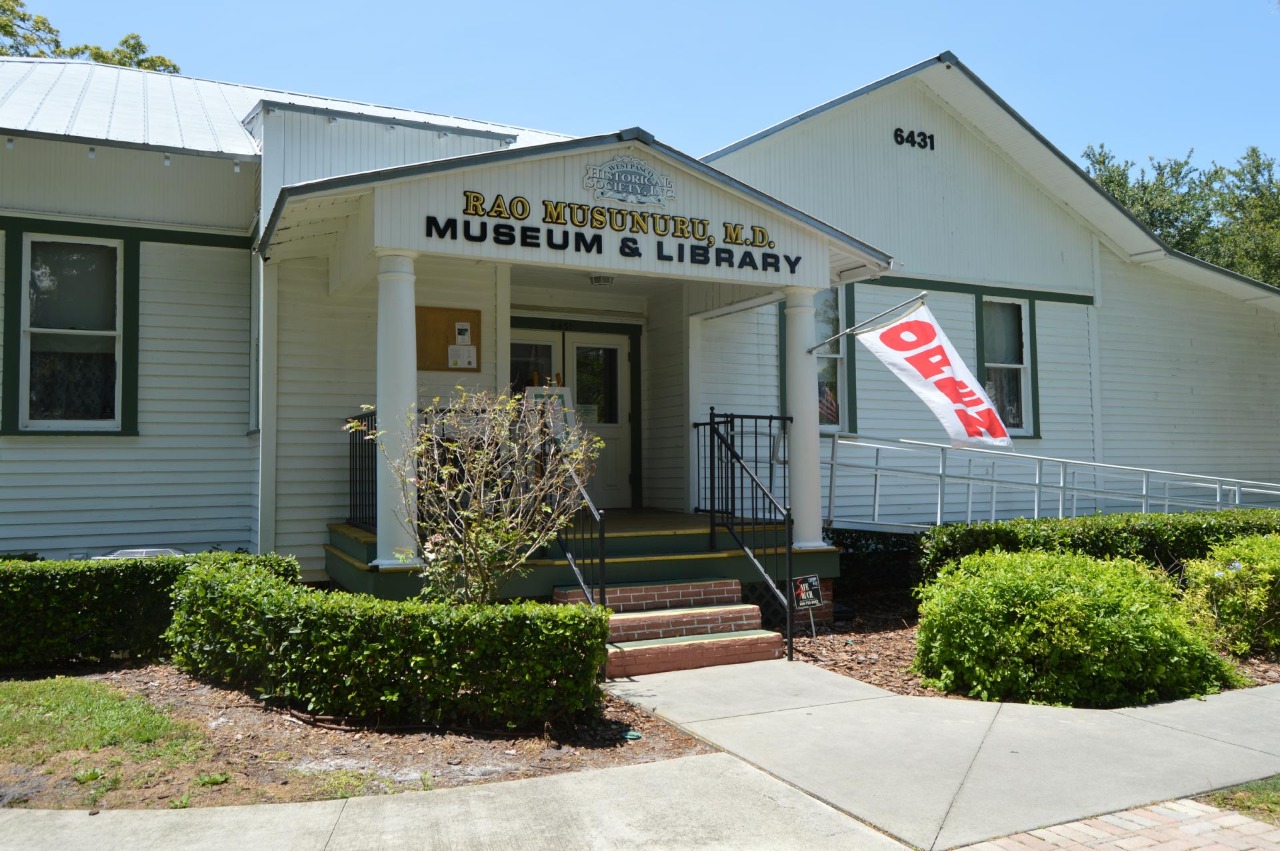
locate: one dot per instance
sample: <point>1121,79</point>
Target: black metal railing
<point>362,471</point>
<point>760,439</point>
<point>583,545</point>
<point>746,504</point>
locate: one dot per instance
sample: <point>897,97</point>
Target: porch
<point>396,287</point>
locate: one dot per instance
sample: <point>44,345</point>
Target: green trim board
<point>15,230</point>
<point>125,233</point>
<point>632,332</point>
<point>980,289</point>
<point>850,363</point>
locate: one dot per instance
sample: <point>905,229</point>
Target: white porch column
<point>802,407</point>
<point>397,397</point>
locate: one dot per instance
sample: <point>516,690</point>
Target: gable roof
<point>75,100</point>
<point>845,252</point>
<point>953,82</point>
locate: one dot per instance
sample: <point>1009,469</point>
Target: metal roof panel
<point>82,100</point>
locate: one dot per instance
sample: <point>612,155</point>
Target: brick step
<point>635,658</point>
<point>673,623</point>
<point>648,596</point>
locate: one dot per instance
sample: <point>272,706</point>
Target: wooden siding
<point>739,371</point>
<point>126,186</point>
<point>327,370</point>
<point>300,147</point>
<point>1189,376</point>
<point>188,479</point>
<point>962,212</point>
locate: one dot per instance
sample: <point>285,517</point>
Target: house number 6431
<point>915,138</point>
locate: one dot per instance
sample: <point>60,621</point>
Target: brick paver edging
<point>1172,826</point>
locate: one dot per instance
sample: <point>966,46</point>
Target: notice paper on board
<point>462,357</point>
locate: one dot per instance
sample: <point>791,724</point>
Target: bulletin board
<point>441,344</point>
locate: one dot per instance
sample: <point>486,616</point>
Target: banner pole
<point>854,328</point>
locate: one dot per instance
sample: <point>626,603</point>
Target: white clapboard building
<point>203,281</point>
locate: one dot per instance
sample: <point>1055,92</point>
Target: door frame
<point>632,332</point>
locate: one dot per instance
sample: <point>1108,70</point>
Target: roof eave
<point>99,142</point>
<point>875,257</point>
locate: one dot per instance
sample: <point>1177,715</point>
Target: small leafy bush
<point>1062,629</point>
<point>62,612</point>
<point>1167,540</point>
<point>352,655</point>
<point>1237,590</point>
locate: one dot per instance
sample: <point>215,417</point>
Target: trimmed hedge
<point>1062,629</point>
<point>1167,540</point>
<point>62,612</point>
<point>1237,590</point>
<point>355,656</point>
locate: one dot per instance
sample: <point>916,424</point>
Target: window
<point>831,358</point>
<point>72,334</point>
<point>1006,361</point>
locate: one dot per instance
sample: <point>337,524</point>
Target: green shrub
<point>61,612</point>
<point>1167,540</point>
<point>355,656</point>
<point>1062,629</point>
<point>1237,590</point>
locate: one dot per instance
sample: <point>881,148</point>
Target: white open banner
<point>916,350</point>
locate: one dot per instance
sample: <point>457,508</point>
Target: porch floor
<point>652,521</point>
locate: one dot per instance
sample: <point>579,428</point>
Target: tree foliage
<point>1228,216</point>
<point>23,33</point>
<point>488,480</point>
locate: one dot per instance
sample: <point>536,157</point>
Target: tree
<point>487,481</point>
<point>1227,216</point>
<point>25,34</point>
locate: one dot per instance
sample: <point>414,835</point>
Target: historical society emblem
<point>628,179</point>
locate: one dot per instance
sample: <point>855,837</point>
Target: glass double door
<point>596,369</point>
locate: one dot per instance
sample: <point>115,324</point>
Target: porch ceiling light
<point>601,280</point>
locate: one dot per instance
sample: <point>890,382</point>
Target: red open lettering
<point>930,362</point>
<point>976,422</point>
<point>906,336</point>
<point>958,392</point>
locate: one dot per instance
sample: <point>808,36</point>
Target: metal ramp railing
<point>891,484</point>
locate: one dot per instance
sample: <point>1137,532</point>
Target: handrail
<point>1073,462</point>
<point>1094,483</point>
<point>362,471</point>
<point>742,517</point>
<point>580,535</point>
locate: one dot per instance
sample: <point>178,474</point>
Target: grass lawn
<point>1259,800</point>
<point>95,735</point>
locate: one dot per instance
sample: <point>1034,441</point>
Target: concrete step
<point>653,656</point>
<point>674,623</point>
<point>648,596</point>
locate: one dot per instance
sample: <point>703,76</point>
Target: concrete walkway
<point>711,801</point>
<point>939,773</point>
<point>860,766</point>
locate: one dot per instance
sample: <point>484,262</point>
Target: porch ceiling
<point>312,226</point>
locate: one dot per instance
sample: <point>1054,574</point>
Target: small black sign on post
<point>807,591</point>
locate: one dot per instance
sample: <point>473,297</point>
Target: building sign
<point>625,217</point>
<point>630,179</point>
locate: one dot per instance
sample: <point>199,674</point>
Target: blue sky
<point>1146,78</point>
